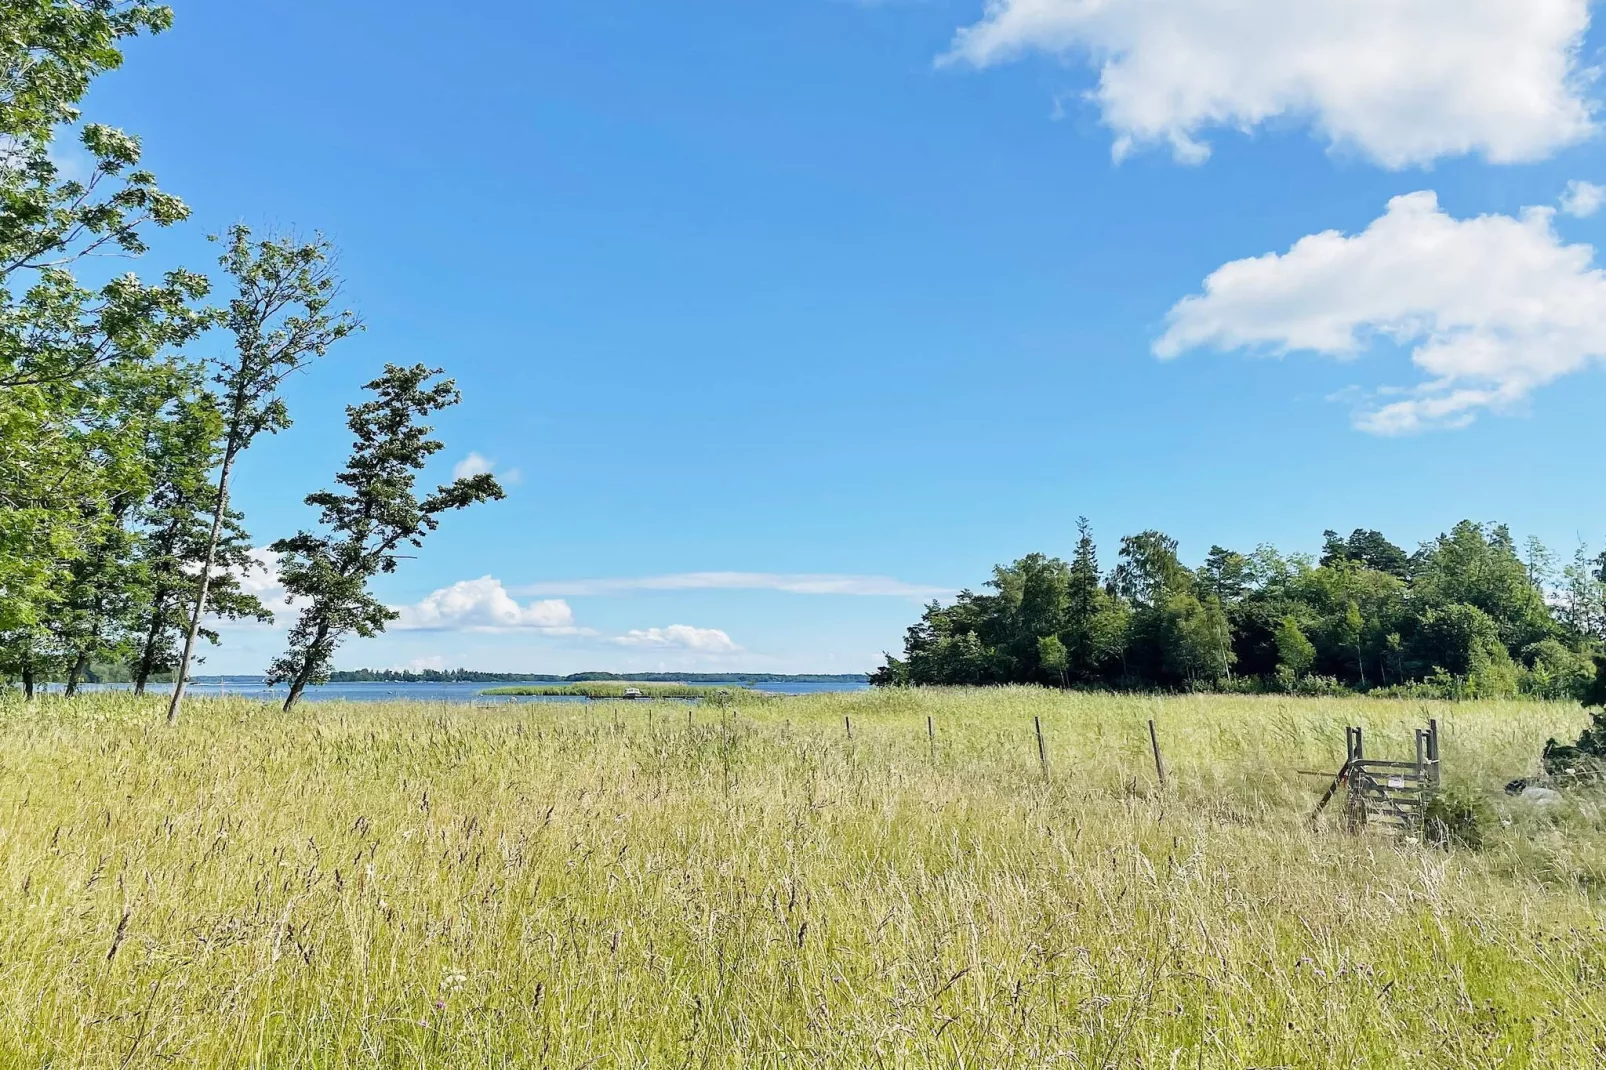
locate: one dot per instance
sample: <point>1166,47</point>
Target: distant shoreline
<point>450,676</point>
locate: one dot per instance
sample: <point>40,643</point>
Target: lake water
<point>251,687</point>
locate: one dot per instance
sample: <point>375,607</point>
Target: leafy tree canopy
<point>1464,614</point>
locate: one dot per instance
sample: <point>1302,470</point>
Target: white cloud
<point>1493,307</point>
<point>472,465</point>
<point>680,636</point>
<point>261,578</point>
<point>1405,81</point>
<point>434,661</point>
<point>1582,199</point>
<point>477,464</point>
<point>483,605</point>
<point>792,582</point>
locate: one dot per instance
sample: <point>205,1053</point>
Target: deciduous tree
<point>282,316</point>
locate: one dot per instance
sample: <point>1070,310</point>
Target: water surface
<point>381,691</point>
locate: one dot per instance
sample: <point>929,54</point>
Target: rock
<point>1541,796</point>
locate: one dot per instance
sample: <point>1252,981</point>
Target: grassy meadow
<point>659,884</point>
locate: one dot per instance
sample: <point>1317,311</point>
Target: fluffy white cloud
<point>483,605</point>
<point>261,578</point>
<point>434,661</point>
<point>792,582</point>
<point>680,636</point>
<point>1405,81</point>
<point>477,464</point>
<point>1582,199</point>
<point>1492,307</point>
<point>472,465</point>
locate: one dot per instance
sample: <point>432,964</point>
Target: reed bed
<point>800,882</point>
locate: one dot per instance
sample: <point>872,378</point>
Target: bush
<point>1555,672</point>
<point>1314,686</point>
<point>1457,818</point>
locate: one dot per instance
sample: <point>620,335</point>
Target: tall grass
<point>616,885</point>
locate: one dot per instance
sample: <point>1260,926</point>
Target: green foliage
<point>1456,817</point>
<point>282,317</point>
<point>1463,617</point>
<point>1295,653</point>
<point>1052,656</point>
<point>375,515</point>
<point>1477,565</point>
<point>1368,549</point>
<point>894,672</point>
<point>87,373</point>
<point>177,517</point>
<point>1585,759</point>
<point>53,49</point>
<point>68,352</point>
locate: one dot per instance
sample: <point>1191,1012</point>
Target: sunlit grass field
<point>657,884</point>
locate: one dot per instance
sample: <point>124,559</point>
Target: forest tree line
<point>1467,614</point>
<point>126,401</point>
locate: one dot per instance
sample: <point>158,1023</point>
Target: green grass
<point>415,885</point>
<point>611,689</point>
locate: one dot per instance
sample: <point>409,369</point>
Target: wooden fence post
<point>1357,801</point>
<point>931,738</point>
<point>847,723</point>
<point>1154,741</point>
<point>1042,751</point>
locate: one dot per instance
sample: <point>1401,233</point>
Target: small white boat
<point>633,692</point>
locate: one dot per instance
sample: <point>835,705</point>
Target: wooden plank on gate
<point>1332,789</point>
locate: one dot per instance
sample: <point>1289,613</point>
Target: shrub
<point>1555,672</point>
<point>1457,818</point>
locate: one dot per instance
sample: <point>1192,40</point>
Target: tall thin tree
<point>175,528</point>
<point>282,317</point>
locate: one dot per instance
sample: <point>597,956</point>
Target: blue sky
<point>751,292</point>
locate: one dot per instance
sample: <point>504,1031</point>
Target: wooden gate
<point>1393,794</point>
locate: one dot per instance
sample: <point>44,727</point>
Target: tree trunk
<point>295,694</point>
<point>309,662</point>
<point>299,684</point>
<point>181,676</point>
<point>27,684</point>
<point>79,664</point>
<point>147,655</point>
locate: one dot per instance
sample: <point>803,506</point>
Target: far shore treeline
<point>1467,614</point>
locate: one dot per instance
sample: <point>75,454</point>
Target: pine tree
<point>328,574</point>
